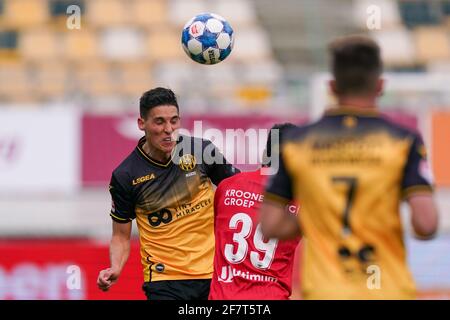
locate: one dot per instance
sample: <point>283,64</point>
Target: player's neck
<point>156,154</point>
<point>355,102</point>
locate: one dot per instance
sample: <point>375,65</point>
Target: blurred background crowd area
<point>126,46</point>
<point>69,103</point>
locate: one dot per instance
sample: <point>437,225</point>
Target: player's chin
<point>167,146</point>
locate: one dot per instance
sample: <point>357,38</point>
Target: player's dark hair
<point>356,64</point>
<point>156,97</point>
<point>282,128</point>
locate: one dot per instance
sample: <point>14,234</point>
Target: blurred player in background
<point>172,202</point>
<point>350,170</point>
<point>247,265</point>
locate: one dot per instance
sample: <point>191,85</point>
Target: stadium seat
<point>39,44</point>
<point>59,15</point>
<point>397,47</point>
<point>51,80</point>
<point>81,45</point>
<point>252,44</point>
<point>15,82</point>
<point>181,11</point>
<point>223,73</point>
<point>228,9</point>
<point>418,12</point>
<point>121,44</point>
<point>254,95</point>
<point>175,73</point>
<point>25,13</point>
<point>58,8</point>
<point>164,45</point>
<point>105,13</point>
<point>445,6</point>
<point>262,72</point>
<point>149,13</point>
<point>95,79</point>
<point>432,44</point>
<point>8,44</point>
<point>135,78</point>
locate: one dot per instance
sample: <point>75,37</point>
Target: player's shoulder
<point>398,129</point>
<point>123,171</point>
<point>192,143</point>
<point>298,132</point>
<point>241,179</point>
<point>183,138</point>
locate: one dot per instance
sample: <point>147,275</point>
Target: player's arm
<point>424,215</point>
<point>418,192</point>
<point>276,221</point>
<point>122,215</point>
<point>119,250</point>
<point>217,167</point>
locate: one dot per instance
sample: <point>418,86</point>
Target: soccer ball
<point>207,38</point>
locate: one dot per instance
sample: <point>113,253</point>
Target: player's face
<point>161,127</point>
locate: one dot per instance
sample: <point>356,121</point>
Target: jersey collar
<point>348,110</point>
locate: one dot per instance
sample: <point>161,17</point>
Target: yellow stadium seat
<point>95,78</point>
<point>104,13</point>
<point>39,44</point>
<point>180,11</point>
<point>51,79</point>
<point>252,44</point>
<point>25,13</point>
<point>447,23</point>
<point>148,13</point>
<point>15,82</point>
<point>432,44</point>
<point>135,78</point>
<point>164,45</point>
<point>80,45</point>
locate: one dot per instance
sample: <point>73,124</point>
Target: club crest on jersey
<point>349,122</point>
<point>187,162</point>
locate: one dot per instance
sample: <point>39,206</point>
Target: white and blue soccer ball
<point>207,38</point>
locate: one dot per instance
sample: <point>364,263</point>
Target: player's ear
<point>332,86</point>
<point>380,86</point>
<point>141,124</point>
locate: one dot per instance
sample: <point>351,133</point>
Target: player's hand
<point>106,278</point>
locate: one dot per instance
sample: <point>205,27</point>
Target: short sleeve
<point>417,175</point>
<point>122,210</point>
<point>279,185</point>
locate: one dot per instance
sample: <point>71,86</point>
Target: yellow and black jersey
<point>350,170</point>
<point>173,206</point>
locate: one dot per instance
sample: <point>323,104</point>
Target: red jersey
<point>246,265</point>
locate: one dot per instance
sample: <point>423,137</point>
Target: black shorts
<point>177,289</point>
